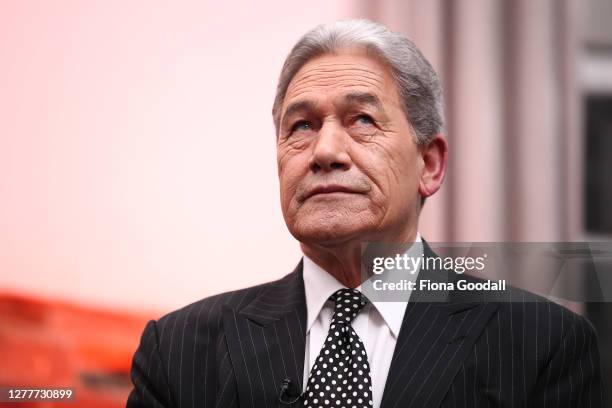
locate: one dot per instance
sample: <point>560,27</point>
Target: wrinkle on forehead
<point>337,84</point>
<point>317,78</point>
<point>321,75</point>
<point>330,68</point>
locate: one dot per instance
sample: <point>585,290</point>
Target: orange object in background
<point>54,344</point>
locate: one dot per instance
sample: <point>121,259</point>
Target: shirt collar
<point>320,285</point>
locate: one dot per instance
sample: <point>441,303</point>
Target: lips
<point>328,189</point>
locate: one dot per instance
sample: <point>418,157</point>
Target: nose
<point>330,149</point>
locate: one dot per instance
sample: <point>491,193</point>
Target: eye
<point>364,119</point>
<point>301,125</point>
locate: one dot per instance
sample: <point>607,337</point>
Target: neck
<point>343,261</point>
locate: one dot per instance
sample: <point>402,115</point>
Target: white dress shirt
<point>377,324</point>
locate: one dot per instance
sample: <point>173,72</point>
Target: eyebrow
<point>364,98</point>
<point>297,107</point>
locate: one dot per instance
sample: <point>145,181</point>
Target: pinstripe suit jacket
<point>234,350</point>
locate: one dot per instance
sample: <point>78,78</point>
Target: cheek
<point>379,162</point>
<point>407,176</point>
<point>290,172</point>
<point>288,187</point>
<point>394,169</point>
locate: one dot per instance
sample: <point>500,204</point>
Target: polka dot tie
<point>340,376</point>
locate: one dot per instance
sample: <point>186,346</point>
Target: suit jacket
<point>235,349</point>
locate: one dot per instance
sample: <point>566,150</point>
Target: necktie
<point>340,376</point>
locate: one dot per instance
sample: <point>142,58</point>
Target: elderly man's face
<point>348,165</point>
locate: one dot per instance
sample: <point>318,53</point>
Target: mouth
<point>330,189</point>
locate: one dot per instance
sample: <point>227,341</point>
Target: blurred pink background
<point>137,151</point>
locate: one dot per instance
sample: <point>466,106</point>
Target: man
<point>358,116</point>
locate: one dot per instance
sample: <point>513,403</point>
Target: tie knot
<point>348,303</point>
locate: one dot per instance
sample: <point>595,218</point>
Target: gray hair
<point>417,82</point>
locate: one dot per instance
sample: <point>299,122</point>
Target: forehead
<point>332,75</point>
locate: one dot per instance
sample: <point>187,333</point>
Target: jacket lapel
<point>438,332</point>
<point>266,341</point>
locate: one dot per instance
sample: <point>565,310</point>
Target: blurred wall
<point>137,151</point>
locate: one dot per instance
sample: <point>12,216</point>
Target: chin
<point>328,231</point>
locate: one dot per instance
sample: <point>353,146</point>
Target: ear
<point>435,155</point>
